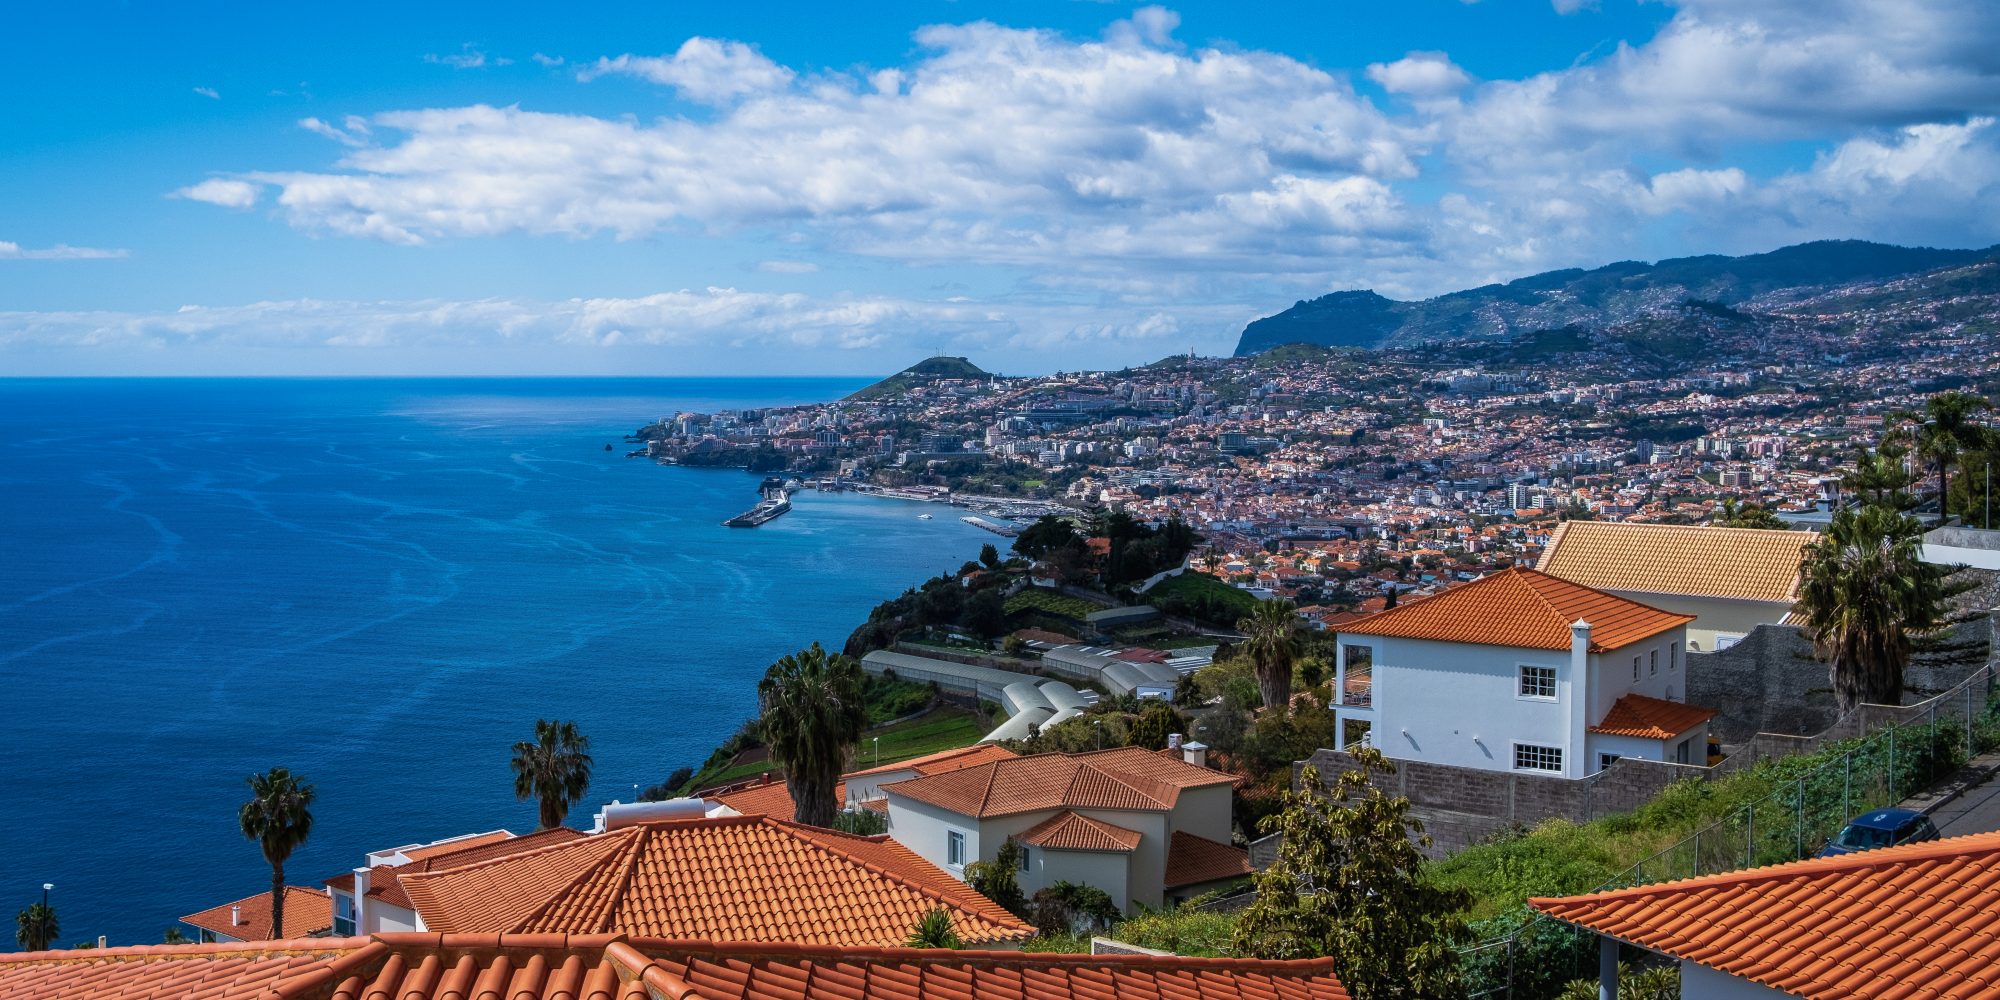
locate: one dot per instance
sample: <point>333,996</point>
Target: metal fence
<point>1915,746</point>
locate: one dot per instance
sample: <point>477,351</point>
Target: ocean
<point>380,584</point>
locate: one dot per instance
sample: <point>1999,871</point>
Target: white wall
<point>1713,615</point>
<point>1147,869</point>
<point>1699,982</point>
<point>1206,812</point>
<point>1104,870</point>
<point>923,827</point>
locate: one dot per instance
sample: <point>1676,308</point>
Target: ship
<point>767,509</point>
<point>923,517</point>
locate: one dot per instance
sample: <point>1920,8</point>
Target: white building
<point>1147,828</point>
<point>1731,579</point>
<point>1520,671</point>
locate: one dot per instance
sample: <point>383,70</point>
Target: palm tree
<point>813,716</point>
<point>1866,592</point>
<point>934,930</point>
<point>1946,430</point>
<point>1272,640</point>
<point>277,817</point>
<point>35,928</point>
<point>553,769</point>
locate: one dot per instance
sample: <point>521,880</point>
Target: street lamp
<point>46,886</point>
<point>878,749</point>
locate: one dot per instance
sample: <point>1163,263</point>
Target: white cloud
<point>209,92</point>
<point>222,191</point>
<point>704,69</point>
<point>352,132</point>
<point>547,61</point>
<point>61,251</point>
<point>1573,6</point>
<point>468,56</point>
<point>1420,74</point>
<point>787,266</point>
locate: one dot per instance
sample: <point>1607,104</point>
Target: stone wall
<point>1768,682</point>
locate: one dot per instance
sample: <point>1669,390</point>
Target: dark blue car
<point>1881,828</point>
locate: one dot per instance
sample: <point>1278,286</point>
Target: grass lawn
<point>1201,597</point>
<point>939,729</point>
<point>1055,604</point>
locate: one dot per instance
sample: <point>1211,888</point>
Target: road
<point>1977,811</point>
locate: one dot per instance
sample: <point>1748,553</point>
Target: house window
<point>1635,668</point>
<point>1024,859</point>
<point>1605,760</point>
<point>1653,662</point>
<point>954,849</point>
<point>1673,658</point>
<point>1683,752</point>
<point>1528,757</point>
<point>343,915</point>
<point>1538,682</point>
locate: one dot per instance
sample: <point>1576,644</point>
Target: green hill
<point>925,371</point>
<point>1592,300</point>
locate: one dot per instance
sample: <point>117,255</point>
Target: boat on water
<point>766,510</point>
<point>923,517</point>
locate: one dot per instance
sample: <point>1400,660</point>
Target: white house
<point>1520,671</point>
<point>371,899</point>
<point>1909,921</point>
<point>1731,579</point>
<point>1147,828</point>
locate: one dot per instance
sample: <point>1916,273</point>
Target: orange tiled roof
<point>455,846</point>
<point>1921,920</point>
<point>731,878</point>
<point>1126,778</point>
<point>1651,718</point>
<point>385,881</point>
<point>1749,564</point>
<point>307,912</point>
<point>1067,831</point>
<point>945,760</point>
<point>424,966</point>
<point>773,799</point>
<point>1523,608</point>
<point>1192,860</point>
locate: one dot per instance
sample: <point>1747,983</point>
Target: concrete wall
<point>1206,812</point>
<point>1713,615</point>
<point>1106,870</point>
<point>1699,982</point>
<point>923,828</point>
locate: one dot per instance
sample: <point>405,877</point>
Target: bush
<point>1183,930</point>
<point>998,879</point>
<point>1069,908</point>
<point>861,822</point>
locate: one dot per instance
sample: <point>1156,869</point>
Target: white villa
<point>1520,671</point>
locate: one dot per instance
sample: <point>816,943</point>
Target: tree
<point>998,879</point>
<point>1044,536</point>
<point>1157,721</point>
<point>989,556</point>
<point>934,930</point>
<point>173,935</point>
<point>553,769</point>
<point>1348,882</point>
<point>1867,593</point>
<point>1945,429</point>
<point>814,712</point>
<point>985,614</point>
<point>36,928</point>
<point>1749,515</point>
<point>1272,641</point>
<point>279,818</point>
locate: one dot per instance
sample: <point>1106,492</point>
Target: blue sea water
<point>380,584</point>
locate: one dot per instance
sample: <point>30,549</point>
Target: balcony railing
<point>1358,687</point>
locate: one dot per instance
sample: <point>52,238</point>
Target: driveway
<point>1976,811</point>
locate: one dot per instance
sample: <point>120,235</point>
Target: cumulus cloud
<point>351,132</point>
<point>222,191</point>
<point>703,69</point>
<point>547,61</point>
<point>1420,74</point>
<point>61,251</point>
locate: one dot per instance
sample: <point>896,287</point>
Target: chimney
<point>235,915</point>
<point>1195,752</point>
<point>1173,741</point>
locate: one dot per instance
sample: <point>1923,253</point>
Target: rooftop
<point>1522,608</point>
<point>429,966</point>
<point>1750,564</point>
<point>307,912</point>
<point>1192,860</point>
<point>1651,718</point>
<point>1921,920</point>
<point>727,878</point>
<point>385,881</point>
<point>1126,778</point>
<point>1067,831</point>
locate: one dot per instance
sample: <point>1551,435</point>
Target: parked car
<point>1881,828</point>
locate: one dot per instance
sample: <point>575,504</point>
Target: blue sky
<point>805,189</point>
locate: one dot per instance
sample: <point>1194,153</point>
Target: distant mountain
<point>927,370</point>
<point>1577,300</point>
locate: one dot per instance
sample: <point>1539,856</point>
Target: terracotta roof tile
<point>1522,608</point>
<point>1921,920</point>
<point>735,878</point>
<point>772,798</point>
<point>1192,860</point>
<point>605,967</point>
<point>1126,778</point>
<point>1067,831</point>
<point>944,760</point>
<point>1651,718</point>
<point>385,881</point>
<point>1752,564</point>
<point>307,912</point>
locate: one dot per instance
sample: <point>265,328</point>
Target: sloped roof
<point>729,878</point>
<point>307,912</point>
<point>1067,831</point>
<point>1747,564</point>
<point>943,760</point>
<point>385,881</point>
<point>425,966</point>
<point>1651,718</point>
<point>1125,778</point>
<point>1192,860</point>
<point>1921,920</point>
<point>1521,608</point>
<point>773,799</point>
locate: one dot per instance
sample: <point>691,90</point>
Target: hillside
<point>1690,292</point>
<point>925,371</point>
